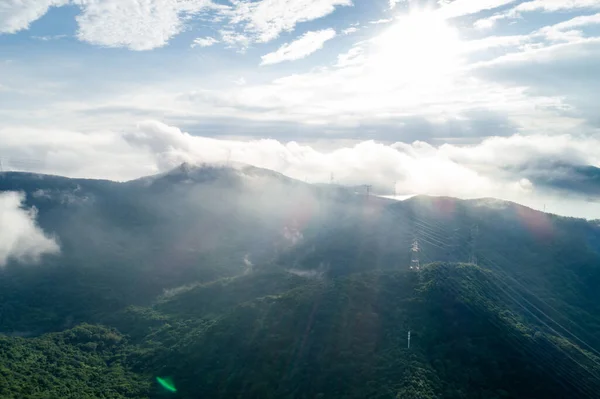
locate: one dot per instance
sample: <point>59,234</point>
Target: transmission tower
<point>473,242</point>
<point>415,264</point>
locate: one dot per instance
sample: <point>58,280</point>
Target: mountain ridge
<point>258,288</point>
<point>222,169</point>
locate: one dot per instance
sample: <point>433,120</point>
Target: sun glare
<point>420,47</point>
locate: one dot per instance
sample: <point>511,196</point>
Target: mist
<point>21,239</point>
<point>536,170</point>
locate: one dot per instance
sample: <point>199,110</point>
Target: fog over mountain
<point>228,272</point>
<point>299,199</point>
<point>552,173</point>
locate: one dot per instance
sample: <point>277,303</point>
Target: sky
<point>466,98</point>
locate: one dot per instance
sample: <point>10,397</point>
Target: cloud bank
<point>20,237</point>
<point>533,170</point>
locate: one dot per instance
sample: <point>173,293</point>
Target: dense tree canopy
<point>250,285</point>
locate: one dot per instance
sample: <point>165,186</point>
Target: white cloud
<point>541,43</point>
<point>497,167</point>
<point>554,5</point>
<point>488,23</point>
<point>544,54</point>
<point>460,8</point>
<point>16,15</point>
<point>350,30</point>
<point>360,89</point>
<point>305,45</point>
<point>537,5</point>
<point>235,39</point>
<point>578,22</point>
<point>148,24</point>
<point>354,56</point>
<point>394,2</point>
<point>381,21</point>
<point>563,31</point>
<point>20,237</point>
<point>204,42</point>
<point>266,19</point>
<point>135,24</point>
<point>491,42</point>
<point>49,38</point>
<point>99,154</point>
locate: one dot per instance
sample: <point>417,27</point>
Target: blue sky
<point>467,97</point>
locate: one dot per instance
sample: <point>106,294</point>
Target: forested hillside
<point>241,283</point>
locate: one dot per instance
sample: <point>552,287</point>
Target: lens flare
<point>167,383</point>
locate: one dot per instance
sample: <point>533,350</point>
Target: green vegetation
<point>85,362</point>
<point>334,338</point>
<point>171,289</point>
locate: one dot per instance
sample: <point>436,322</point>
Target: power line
<point>502,286</point>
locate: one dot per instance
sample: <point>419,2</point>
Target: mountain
<point>235,281</point>
<point>123,243</point>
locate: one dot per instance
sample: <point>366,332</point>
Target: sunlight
<point>420,47</point>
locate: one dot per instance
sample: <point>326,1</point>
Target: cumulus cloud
<point>266,19</point>
<point>204,42</point>
<point>20,237</point>
<point>148,24</point>
<point>135,24</point>
<point>16,15</point>
<point>302,47</point>
<point>519,168</point>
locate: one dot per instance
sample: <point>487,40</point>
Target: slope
<point>347,337</point>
